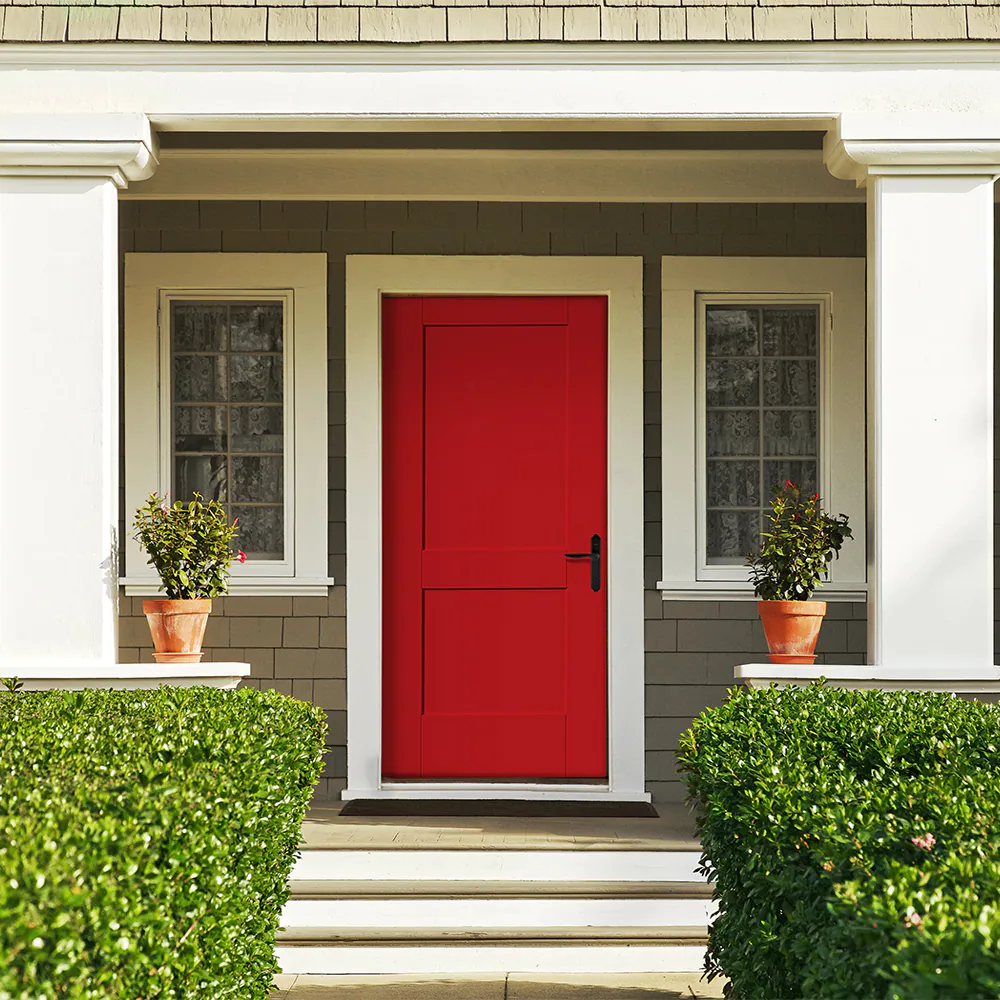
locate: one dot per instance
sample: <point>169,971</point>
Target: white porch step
<point>456,960</point>
<point>451,912</point>
<point>485,865</point>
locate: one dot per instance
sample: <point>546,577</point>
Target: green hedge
<point>809,801</point>
<point>146,838</point>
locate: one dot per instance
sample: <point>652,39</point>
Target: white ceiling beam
<point>497,175</point>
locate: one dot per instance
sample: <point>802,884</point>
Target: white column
<point>930,397</point>
<point>59,421</point>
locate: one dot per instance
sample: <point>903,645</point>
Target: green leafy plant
<point>796,550</point>
<point>11,684</point>
<point>854,841</point>
<point>188,545</point>
<point>146,840</point>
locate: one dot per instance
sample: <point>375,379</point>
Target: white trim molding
<point>983,680</point>
<point>838,285</point>
<point>298,280</point>
<point>620,279</point>
<point>118,147</point>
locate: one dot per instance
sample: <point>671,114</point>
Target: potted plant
<point>794,559</point>
<point>189,547</point>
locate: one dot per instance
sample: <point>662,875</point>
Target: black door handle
<point>594,555</point>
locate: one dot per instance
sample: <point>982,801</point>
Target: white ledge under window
<point>716,591</point>
<point>247,587</point>
<point>969,680</point>
<point>127,676</point>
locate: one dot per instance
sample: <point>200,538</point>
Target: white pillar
<point>59,424</point>
<point>930,396</point>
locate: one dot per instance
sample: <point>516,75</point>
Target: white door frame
<point>620,279</point>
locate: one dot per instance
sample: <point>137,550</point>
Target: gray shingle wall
<point>299,645</point>
<point>410,21</point>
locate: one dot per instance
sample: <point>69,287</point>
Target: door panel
<point>494,468</point>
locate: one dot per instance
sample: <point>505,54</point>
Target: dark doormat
<point>496,807</point>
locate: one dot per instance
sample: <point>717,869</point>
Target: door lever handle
<point>594,555</point>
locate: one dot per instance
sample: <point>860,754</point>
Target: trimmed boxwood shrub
<point>854,839</point>
<point>146,839</point>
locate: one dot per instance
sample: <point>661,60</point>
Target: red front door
<point>494,471</point>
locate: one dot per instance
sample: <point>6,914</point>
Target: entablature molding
<point>861,146</point>
<point>119,147</point>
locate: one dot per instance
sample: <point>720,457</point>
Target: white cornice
<point>452,54</point>
<point>120,147</point>
<point>860,146</point>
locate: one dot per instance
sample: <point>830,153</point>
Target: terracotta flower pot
<point>178,628</point>
<point>791,629</point>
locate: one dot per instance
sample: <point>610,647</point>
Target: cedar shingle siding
<point>408,21</point>
<point>298,645</point>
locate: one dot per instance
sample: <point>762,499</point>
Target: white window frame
<point>689,284</point>
<point>298,281</point>
<point>369,278</point>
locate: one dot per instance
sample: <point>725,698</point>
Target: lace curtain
<point>761,420</point>
<point>227,405</point>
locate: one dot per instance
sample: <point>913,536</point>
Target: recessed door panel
<point>494,538</point>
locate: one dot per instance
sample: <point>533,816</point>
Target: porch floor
<point>325,829</point>
<point>526,986</point>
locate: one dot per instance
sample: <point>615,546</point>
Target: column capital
<point>119,147</point>
<point>861,146</point>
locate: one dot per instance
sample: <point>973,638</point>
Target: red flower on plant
<point>242,556</point>
<point>789,483</point>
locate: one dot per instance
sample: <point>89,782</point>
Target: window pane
<point>732,383</point>
<point>257,479</point>
<point>256,378</point>
<point>198,326</point>
<point>790,432</point>
<point>200,428</point>
<point>790,383</point>
<point>732,332</point>
<point>733,484</point>
<point>776,474</point>
<point>261,531</point>
<point>200,474</point>
<point>733,432</point>
<point>256,327</point>
<point>791,332</point>
<point>228,414</point>
<point>761,420</point>
<point>732,535</point>
<point>200,378</point>
<point>256,428</point>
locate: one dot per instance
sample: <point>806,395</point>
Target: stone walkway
<point>522,986</point>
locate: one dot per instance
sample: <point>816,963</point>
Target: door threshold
<point>545,808</point>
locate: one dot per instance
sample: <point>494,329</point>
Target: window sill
<point>689,591</point>
<point>263,586</point>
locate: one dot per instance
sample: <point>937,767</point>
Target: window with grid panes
<point>761,417</point>
<point>227,412</point>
